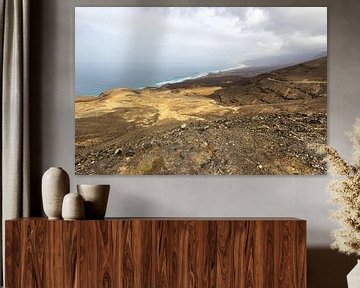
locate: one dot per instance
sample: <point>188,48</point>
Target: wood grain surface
<point>160,252</point>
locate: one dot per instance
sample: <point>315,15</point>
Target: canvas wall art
<point>200,90</point>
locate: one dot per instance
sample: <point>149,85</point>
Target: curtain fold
<point>15,166</point>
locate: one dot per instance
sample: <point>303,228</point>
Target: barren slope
<point>218,124</point>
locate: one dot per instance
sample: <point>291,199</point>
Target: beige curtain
<point>14,27</point>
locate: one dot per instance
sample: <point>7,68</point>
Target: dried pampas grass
<point>345,192</point>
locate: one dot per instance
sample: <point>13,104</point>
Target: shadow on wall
<point>37,10</point>
<point>328,268</point>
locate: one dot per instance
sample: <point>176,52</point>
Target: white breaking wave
<point>196,76</point>
<point>178,80</point>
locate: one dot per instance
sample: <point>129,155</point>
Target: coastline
<point>166,82</point>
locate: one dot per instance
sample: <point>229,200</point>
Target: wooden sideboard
<point>156,252</point>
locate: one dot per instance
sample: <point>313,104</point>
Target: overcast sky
<point>225,37</point>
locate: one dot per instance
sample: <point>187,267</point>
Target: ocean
<point>93,78</point>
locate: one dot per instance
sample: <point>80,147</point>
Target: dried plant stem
<point>345,192</point>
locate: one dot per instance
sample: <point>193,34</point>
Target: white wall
<point>53,122</point>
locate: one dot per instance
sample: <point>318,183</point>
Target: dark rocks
<point>146,145</point>
<point>118,151</point>
<point>129,152</point>
<point>254,145</point>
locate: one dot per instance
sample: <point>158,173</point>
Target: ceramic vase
<point>353,278</point>
<point>96,198</point>
<point>73,207</point>
<point>55,185</point>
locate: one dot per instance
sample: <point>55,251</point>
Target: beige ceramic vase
<point>73,207</point>
<point>96,198</point>
<point>353,278</point>
<point>55,185</point>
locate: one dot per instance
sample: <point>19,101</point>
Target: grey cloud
<point>222,35</point>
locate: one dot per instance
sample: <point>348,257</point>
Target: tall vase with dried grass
<point>345,192</point>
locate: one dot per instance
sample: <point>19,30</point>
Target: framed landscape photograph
<point>200,90</point>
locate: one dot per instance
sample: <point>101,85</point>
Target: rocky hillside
<point>220,124</point>
<point>302,81</point>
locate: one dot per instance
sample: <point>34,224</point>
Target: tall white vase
<point>353,278</point>
<point>55,185</point>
